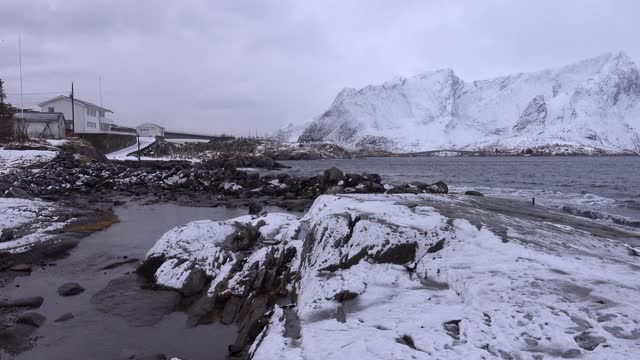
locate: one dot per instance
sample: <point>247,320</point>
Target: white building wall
<point>81,118</point>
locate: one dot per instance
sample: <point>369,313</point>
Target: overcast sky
<point>235,66</point>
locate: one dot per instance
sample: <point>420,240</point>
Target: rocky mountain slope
<point>589,106</point>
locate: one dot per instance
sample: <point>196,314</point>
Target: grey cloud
<point>232,66</point>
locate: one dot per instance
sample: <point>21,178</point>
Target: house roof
<point>148,123</point>
<point>37,116</point>
<point>85,103</point>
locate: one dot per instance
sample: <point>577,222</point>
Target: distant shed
<point>150,130</point>
<point>41,124</point>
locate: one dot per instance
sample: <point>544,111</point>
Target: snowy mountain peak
<point>593,103</point>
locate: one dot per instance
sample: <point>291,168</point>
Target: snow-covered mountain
<point>592,104</point>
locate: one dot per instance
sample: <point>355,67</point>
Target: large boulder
<point>6,235</point>
<point>333,175</point>
<point>70,289</point>
<point>31,318</point>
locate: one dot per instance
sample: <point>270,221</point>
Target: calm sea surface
<point>605,188</point>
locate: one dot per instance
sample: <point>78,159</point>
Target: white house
<point>149,129</point>
<point>89,117</point>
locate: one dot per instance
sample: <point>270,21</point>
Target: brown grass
<point>92,225</point>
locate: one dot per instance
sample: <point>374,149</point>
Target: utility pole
<point>20,60</point>
<point>138,140</point>
<point>73,113</point>
<point>100,111</point>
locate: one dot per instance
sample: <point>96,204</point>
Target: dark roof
<point>86,103</point>
<point>39,116</point>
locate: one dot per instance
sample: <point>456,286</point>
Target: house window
<point>91,112</point>
<point>51,109</point>
<point>101,113</point>
<point>91,124</point>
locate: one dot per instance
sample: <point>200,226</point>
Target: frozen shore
<point>410,276</point>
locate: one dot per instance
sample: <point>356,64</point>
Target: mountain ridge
<point>590,104</point>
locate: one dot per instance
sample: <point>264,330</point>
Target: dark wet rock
<point>473,193</point>
<point>332,190</point>
<point>64,317</point>
<point>6,235</point>
<point>23,268</point>
<point>16,192</point>
<point>255,208</point>
<point>436,247</point>
<point>333,175</point>
<point>30,302</point>
<point>439,188</point>
<point>571,354</point>
<point>149,267</point>
<point>245,237</point>
<point>352,179</point>
<point>70,289</point>
<point>406,340</point>
<point>199,311</point>
<point>58,247</point>
<point>125,297</point>
<point>16,338</point>
<point>235,349</point>
<point>295,205</point>
<point>31,318</point>
<point>452,327</point>
<point>404,189</point>
<point>194,283</point>
<point>148,357</point>
<point>341,316</point>
<point>116,264</point>
<point>589,342</point>
<point>345,295</point>
<point>620,333</point>
<point>397,254</point>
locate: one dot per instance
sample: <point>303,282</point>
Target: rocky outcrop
<point>535,114</point>
<point>243,266</point>
<point>413,276</point>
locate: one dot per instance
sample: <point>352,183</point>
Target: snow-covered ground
<point>12,159</point>
<point>122,154</point>
<point>30,221</point>
<point>427,277</point>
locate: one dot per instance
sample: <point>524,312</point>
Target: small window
<point>51,109</point>
<point>91,112</point>
<point>91,124</point>
<point>101,113</point>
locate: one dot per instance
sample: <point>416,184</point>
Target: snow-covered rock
<point>418,276</point>
<point>592,104</point>
<point>478,283</point>
<point>30,222</point>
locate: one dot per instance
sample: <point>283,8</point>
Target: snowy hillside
<point>593,104</point>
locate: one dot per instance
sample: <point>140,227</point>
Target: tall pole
<point>73,113</point>
<point>138,140</point>
<point>100,111</point>
<point>20,61</point>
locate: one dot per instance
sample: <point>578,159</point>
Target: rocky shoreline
<point>73,194</point>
